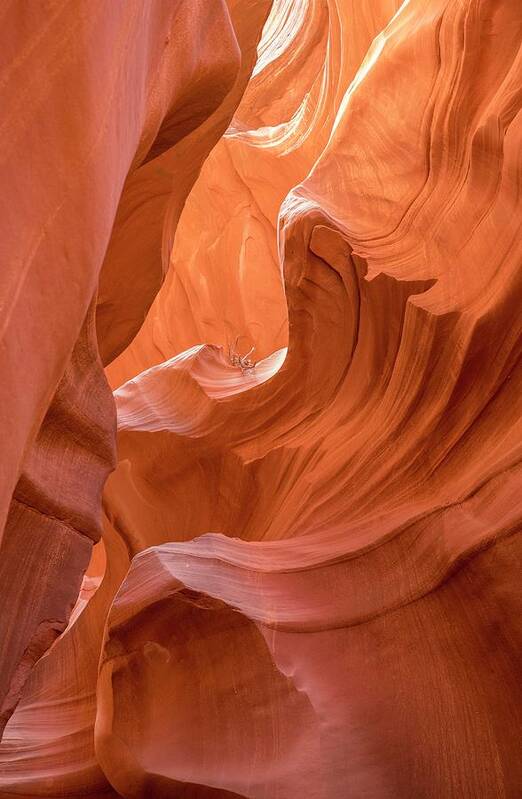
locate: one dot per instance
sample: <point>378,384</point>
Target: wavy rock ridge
<point>307,582</point>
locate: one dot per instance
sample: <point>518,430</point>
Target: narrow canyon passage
<point>260,399</point>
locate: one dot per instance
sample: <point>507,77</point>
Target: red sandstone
<point>260,391</point>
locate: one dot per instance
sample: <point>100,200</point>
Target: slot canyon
<point>261,399</point>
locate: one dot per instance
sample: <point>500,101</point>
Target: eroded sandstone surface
<point>260,396</point>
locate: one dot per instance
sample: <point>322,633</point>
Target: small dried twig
<point>243,362</point>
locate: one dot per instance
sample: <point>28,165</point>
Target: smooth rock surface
<point>305,219</point>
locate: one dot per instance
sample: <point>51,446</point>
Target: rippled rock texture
<point>281,559</point>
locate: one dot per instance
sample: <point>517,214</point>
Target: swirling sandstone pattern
<point>308,581</point>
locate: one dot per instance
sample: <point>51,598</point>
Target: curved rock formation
<point>308,581</point>
<point>102,161</point>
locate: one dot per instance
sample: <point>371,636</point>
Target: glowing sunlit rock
<point>309,250</point>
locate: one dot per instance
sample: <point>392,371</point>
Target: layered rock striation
<point>290,231</point>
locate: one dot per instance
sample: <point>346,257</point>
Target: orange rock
<point>309,256</point>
